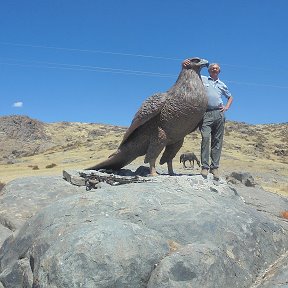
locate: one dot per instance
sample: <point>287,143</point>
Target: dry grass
<point>246,148</point>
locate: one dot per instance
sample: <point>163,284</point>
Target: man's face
<point>214,70</point>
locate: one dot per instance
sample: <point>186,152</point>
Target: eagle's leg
<point>170,167</point>
<point>152,167</point>
<point>156,145</point>
<point>169,153</point>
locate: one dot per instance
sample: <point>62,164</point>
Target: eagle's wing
<point>150,108</point>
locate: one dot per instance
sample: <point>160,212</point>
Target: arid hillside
<point>30,147</point>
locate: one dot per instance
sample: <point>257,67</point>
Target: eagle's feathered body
<point>163,120</point>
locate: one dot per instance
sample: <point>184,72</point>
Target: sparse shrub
<point>281,152</point>
<point>97,133</point>
<point>51,165</point>
<point>109,145</point>
<point>259,146</point>
<point>34,167</point>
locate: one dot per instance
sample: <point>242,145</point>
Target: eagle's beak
<point>204,63</point>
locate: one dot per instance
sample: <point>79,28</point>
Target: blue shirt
<point>215,89</point>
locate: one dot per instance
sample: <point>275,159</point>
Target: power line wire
<point>118,53</point>
<point>53,65</point>
<point>75,67</point>
<point>255,84</point>
<point>90,51</point>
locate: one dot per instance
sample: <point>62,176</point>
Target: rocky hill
<point>30,147</point>
<point>22,136</point>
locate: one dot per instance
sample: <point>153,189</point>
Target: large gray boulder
<point>173,231</point>
<point>20,199</point>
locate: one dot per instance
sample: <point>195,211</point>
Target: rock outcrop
<point>172,231</point>
<point>22,136</point>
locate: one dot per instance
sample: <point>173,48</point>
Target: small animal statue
<point>191,157</point>
<point>163,121</point>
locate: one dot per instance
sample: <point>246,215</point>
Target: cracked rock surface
<point>170,231</point>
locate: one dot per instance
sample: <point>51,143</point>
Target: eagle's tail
<point>115,161</point>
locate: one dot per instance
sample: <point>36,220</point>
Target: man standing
<point>212,125</point>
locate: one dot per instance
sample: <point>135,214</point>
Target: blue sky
<point>98,60</point>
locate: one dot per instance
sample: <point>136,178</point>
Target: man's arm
<point>228,104</point>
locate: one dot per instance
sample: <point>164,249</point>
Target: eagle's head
<point>196,64</point>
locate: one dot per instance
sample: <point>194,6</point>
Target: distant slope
<point>27,144</point>
<point>22,136</point>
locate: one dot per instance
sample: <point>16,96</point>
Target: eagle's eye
<point>195,60</point>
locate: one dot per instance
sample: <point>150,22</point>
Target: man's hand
<point>224,109</point>
<point>186,63</point>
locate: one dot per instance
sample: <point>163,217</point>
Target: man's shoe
<point>204,172</point>
<point>215,173</point>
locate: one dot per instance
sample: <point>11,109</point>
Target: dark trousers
<point>212,131</point>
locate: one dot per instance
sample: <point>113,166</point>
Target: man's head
<point>214,70</point>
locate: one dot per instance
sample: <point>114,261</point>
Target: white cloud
<point>18,104</point>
